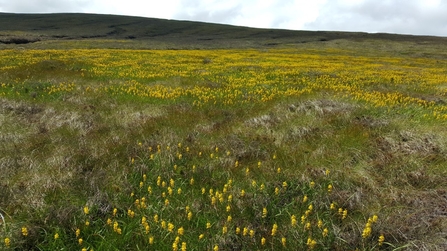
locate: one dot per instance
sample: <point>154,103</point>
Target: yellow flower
<point>208,225</point>
<point>345,214</point>
<point>86,210</point>
<point>170,227</point>
<point>84,249</point>
<point>24,231</point>
<point>278,170</point>
<point>174,246</point>
<point>183,248</point>
<point>189,215</point>
<point>78,232</point>
<point>262,241</point>
<point>329,188</point>
<point>201,236</point>
<point>311,243</point>
<point>332,207</point>
<point>283,241</point>
<point>381,239</point>
<point>242,193</point>
<point>238,230</point>
<point>252,233</point>
<point>7,242</point>
<point>304,198</point>
<point>325,232</point>
<point>224,229</point>
<point>264,212</point>
<point>320,223</point>
<point>87,223</point>
<point>245,231</point>
<point>293,220</point>
<point>312,184</point>
<point>80,241</point>
<point>274,229</point>
<point>229,218</point>
<point>181,231</point>
<point>216,248</point>
<point>151,240</point>
<point>114,212</point>
<point>366,232</point>
<point>56,236</point>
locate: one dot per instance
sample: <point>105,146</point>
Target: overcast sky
<point>418,17</point>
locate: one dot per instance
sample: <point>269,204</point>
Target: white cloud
<point>393,16</point>
<point>398,16</point>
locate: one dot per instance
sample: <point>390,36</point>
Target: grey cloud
<point>198,11</point>
<point>43,6</point>
<point>401,16</point>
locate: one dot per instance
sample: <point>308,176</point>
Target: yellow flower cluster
<point>236,76</point>
<point>368,226</point>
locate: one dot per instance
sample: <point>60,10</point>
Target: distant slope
<point>25,28</point>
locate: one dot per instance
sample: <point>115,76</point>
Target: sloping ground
<point>29,28</point>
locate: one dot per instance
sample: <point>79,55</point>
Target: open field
<point>324,145</point>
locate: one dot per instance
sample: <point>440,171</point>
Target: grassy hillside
<point>338,143</point>
<point>149,33</point>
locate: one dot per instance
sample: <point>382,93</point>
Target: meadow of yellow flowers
<point>234,76</point>
<point>219,192</point>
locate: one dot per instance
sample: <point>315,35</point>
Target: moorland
<point>129,133</point>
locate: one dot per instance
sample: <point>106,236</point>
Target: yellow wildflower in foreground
<point>293,220</point>
<point>283,241</point>
<point>7,242</point>
<point>56,236</point>
<point>274,229</point>
<point>264,212</point>
<point>381,239</point>
<point>24,231</point>
<point>311,243</point>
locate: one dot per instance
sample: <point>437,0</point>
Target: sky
<point>416,17</point>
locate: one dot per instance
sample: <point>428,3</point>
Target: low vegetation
<point>280,149</point>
